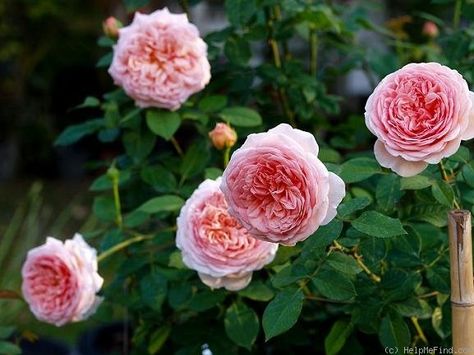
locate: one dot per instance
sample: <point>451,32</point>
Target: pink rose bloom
<point>419,114</point>
<point>60,281</point>
<point>223,136</point>
<point>214,244</point>
<point>160,60</point>
<point>277,187</point>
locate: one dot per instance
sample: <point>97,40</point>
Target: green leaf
<point>240,11</point>
<point>194,161</point>
<point>257,291</point>
<point>394,332</point>
<point>132,5</point>
<point>158,339</point>
<point>159,177</point>
<point>213,103</point>
<point>337,337</point>
<point>104,208</point>
<point>388,192</point>
<point>153,289</point>
<point>7,348</point>
<point>443,193</point>
<point>176,260</point>
<point>282,312</point>
<point>238,51</point>
<point>439,279</point>
<point>468,173</point>
<point>74,133</point>
<point>163,123</point>
<point>89,101</point>
<point>207,299</point>
<point>104,182</point>
<point>166,203</point>
<point>359,169</point>
<point>315,245</point>
<point>417,182</point>
<point>344,263</point>
<point>139,146</point>
<point>241,324</point>
<point>212,173</point>
<point>334,285</point>
<point>241,116</point>
<point>6,332</point>
<point>347,208</point>
<point>378,225</point>
<point>105,60</point>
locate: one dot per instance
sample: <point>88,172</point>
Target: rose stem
<point>114,174</point>
<point>277,62</point>
<point>176,146</point>
<point>185,6</point>
<point>419,330</point>
<point>226,156</point>
<point>358,259</point>
<point>457,14</point>
<point>313,41</point>
<point>122,245</point>
<point>445,177</point>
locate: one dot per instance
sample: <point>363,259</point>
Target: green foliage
<point>363,277</point>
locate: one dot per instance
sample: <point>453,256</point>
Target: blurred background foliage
<point>50,61</point>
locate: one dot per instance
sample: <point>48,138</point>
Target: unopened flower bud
<point>430,29</point>
<point>111,27</point>
<point>223,136</point>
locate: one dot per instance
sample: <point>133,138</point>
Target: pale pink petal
<point>399,165</point>
<point>469,132</point>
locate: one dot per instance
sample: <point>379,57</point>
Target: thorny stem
<point>176,146</point>
<point>446,178</point>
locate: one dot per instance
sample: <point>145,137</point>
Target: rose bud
<point>214,244</point>
<point>223,136</point>
<point>430,29</point>
<point>419,114</point>
<point>111,27</point>
<point>278,189</point>
<point>60,281</point>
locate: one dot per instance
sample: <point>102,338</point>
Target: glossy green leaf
<point>378,225</point>
<point>167,203</point>
<point>163,123</point>
<point>241,324</point>
<point>282,312</point>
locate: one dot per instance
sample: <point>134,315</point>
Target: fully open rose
<point>215,245</point>
<point>60,281</point>
<point>277,187</point>
<point>160,60</point>
<point>419,114</point>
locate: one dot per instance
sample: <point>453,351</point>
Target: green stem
<point>313,42</point>
<point>121,246</point>
<point>278,63</point>
<point>457,14</point>
<point>114,175</point>
<point>226,156</point>
<point>446,178</point>
<point>176,146</point>
<point>419,330</point>
<point>185,6</point>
